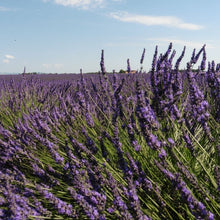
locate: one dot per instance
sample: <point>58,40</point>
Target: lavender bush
<point>112,146</point>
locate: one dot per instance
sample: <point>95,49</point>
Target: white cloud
<point>191,44</point>
<point>6,61</point>
<point>10,57</point>
<point>83,4</point>
<point>169,21</point>
<point>4,9</point>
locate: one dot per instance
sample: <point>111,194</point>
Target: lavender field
<point>112,146</point>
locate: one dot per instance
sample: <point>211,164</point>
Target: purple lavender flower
<point>211,216</point>
<point>90,210</point>
<point>180,58</point>
<point>171,141</point>
<point>89,142</point>
<point>195,58</point>
<point>134,200</point>
<point>193,55</point>
<point>128,66</point>
<point>162,153</point>
<point>110,210</point>
<point>132,138</point>
<point>61,206</point>
<point>199,106</point>
<point>102,64</point>
<point>142,57</point>
<point>203,60</point>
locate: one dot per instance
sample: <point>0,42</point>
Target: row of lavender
<point>108,146</point>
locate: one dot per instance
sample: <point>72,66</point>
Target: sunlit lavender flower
<point>137,147</point>
<point>145,113</point>
<point>134,201</point>
<point>89,142</point>
<point>199,106</point>
<point>197,208</point>
<point>171,141</point>
<point>61,206</point>
<point>213,81</point>
<point>128,66</point>
<point>211,216</point>
<point>2,213</point>
<point>195,58</point>
<point>102,64</point>
<point>167,173</point>
<point>189,144</point>
<point>89,119</point>
<point>193,55</point>
<point>203,63</point>
<point>180,58</point>
<point>142,57</point>
<point>37,170</point>
<point>90,210</point>
<point>162,153</point>
<point>110,210</point>
<point>2,201</point>
<point>117,103</point>
<point>133,140</point>
<point>52,149</point>
<point>118,203</point>
<point>133,164</point>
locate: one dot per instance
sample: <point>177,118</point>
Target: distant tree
<point>122,71</point>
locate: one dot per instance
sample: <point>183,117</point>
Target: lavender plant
<point>112,146</point>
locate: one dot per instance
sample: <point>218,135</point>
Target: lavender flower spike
<point>142,57</point>
<point>102,63</point>
<point>128,66</point>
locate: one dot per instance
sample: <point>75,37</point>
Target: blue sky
<point>62,36</point>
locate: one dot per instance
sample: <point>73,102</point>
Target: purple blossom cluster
<point>199,106</point>
<point>197,208</point>
<point>213,80</point>
<point>166,84</point>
